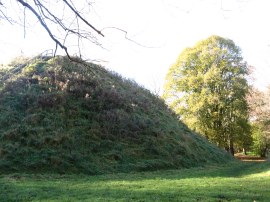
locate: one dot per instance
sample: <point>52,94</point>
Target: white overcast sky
<point>165,27</point>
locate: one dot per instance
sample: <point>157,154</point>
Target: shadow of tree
<point>215,183</point>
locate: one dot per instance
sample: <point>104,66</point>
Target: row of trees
<point>208,88</point>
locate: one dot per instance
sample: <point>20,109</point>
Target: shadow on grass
<point>215,183</point>
<point>235,169</point>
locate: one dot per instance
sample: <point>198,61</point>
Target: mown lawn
<point>235,182</point>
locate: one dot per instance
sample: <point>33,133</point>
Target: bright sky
<point>166,27</point>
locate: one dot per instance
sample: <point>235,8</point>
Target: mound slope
<point>63,116</point>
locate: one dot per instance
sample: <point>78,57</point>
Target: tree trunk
<point>227,148</point>
<point>231,147</point>
<point>263,152</point>
<point>244,151</point>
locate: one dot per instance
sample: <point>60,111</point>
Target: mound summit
<point>74,117</point>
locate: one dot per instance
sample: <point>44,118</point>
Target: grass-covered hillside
<point>62,116</point>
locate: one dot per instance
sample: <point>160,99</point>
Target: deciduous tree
<point>259,107</point>
<point>207,87</point>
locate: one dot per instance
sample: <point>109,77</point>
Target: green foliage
<point>261,140</point>
<point>259,105</point>
<point>207,86</point>
<point>63,116</point>
<point>231,182</point>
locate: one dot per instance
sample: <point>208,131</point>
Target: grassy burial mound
<point>69,117</point>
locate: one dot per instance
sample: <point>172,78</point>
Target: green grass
<point>231,182</point>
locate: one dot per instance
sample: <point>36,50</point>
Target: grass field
<point>245,181</point>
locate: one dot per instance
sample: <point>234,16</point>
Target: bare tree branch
<point>85,21</point>
<point>4,16</point>
<point>126,37</point>
<point>48,18</point>
<point>44,25</point>
<point>61,26</point>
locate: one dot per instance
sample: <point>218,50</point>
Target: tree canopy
<point>207,87</point>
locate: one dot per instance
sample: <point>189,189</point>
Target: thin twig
<point>85,21</point>
<point>5,16</point>
<point>25,4</point>
<point>126,37</point>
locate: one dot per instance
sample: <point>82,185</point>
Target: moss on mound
<point>63,116</point>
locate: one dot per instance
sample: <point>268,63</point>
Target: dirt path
<point>250,158</point>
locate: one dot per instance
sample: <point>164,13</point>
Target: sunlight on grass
<point>262,174</point>
<point>236,182</point>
